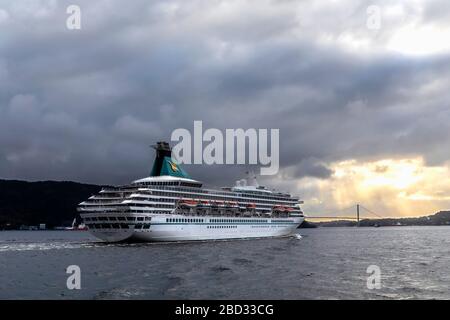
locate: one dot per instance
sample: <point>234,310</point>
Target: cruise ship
<point>170,206</point>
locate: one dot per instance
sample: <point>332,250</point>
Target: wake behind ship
<point>170,206</point>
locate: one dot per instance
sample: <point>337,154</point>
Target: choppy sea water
<point>322,263</point>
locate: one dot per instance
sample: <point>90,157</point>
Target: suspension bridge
<point>360,212</point>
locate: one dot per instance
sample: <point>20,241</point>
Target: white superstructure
<point>169,206</point>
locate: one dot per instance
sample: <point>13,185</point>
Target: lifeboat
<point>251,206</point>
<point>220,203</point>
<point>190,203</point>
<point>203,203</point>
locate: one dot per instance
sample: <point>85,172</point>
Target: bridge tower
<point>357,214</point>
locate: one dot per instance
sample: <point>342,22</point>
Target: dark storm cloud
<point>84,105</point>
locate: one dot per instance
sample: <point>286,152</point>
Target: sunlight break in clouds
<point>389,187</point>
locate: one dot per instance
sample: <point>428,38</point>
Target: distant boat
<point>74,227</point>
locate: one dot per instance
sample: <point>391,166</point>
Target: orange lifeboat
<point>203,203</point>
<point>251,206</point>
<point>188,203</point>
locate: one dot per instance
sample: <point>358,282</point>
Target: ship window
<point>138,226</point>
<point>140,219</point>
<point>121,218</point>
<point>146,226</point>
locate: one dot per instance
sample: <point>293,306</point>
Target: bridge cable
<point>370,211</point>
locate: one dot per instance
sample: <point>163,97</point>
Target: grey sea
<point>322,263</point>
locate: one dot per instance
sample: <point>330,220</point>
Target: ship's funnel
<point>164,165</point>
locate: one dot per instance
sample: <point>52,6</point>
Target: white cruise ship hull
<point>193,228</point>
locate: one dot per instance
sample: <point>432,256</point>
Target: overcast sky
<point>363,112</point>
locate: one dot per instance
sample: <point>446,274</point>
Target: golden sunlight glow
<point>389,187</point>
